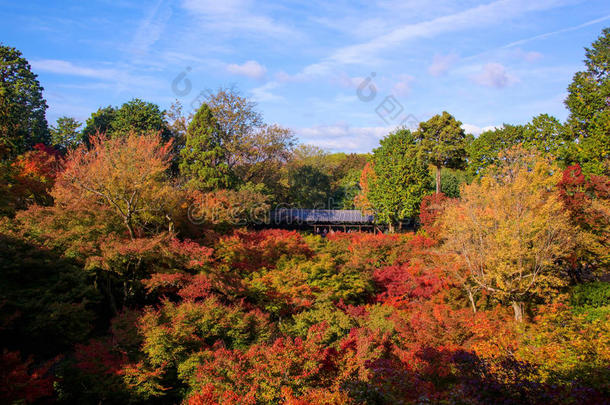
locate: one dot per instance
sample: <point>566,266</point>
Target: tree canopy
<point>22,108</point>
<point>399,183</point>
<point>442,143</point>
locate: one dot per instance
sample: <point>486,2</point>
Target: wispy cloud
<point>402,87</point>
<point>231,16</point>
<point>69,68</point>
<point>441,64</point>
<point>251,69</point>
<point>494,75</point>
<point>343,136</point>
<point>264,92</point>
<point>483,15</point>
<point>561,31</point>
<point>151,28</point>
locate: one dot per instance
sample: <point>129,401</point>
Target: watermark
<point>207,212</point>
<point>182,86</point>
<point>389,109</point>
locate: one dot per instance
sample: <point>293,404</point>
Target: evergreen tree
<point>203,157</point>
<point>587,100</point>
<point>442,143</point>
<point>22,107</point>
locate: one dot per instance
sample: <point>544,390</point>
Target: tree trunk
<point>391,227</point>
<point>518,308</point>
<point>438,179</point>
<point>472,303</point>
<point>132,235</point>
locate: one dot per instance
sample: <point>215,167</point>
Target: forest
<point>136,267</point>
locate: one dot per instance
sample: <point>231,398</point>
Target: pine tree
<point>22,107</point>
<point>203,157</point>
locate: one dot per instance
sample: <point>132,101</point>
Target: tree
<point>135,116</point>
<point>509,229</point>
<point>140,117</point>
<point>178,123</point>
<point>587,200</point>
<point>587,100</point>
<point>442,143</point>
<point>250,144</point>
<point>22,107</point>
<point>100,122</point>
<point>127,175</point>
<point>399,183</point>
<point>361,200</point>
<point>308,187</point>
<point>204,163</point>
<point>484,150</point>
<point>238,121</point>
<point>65,133</point>
<point>543,133</point>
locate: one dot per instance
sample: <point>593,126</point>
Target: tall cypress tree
<point>204,161</point>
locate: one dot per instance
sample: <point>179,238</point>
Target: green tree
<point>546,134</point>
<point>483,151</point>
<point>442,143</point>
<point>65,133</point>
<point>135,116</point>
<point>99,122</point>
<point>399,183</point>
<point>309,187</point>
<point>204,156</point>
<point>140,117</point>
<point>22,107</point>
<point>587,100</point>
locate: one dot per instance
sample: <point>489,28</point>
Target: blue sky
<point>340,74</point>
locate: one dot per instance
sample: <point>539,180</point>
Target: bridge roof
<point>309,216</point>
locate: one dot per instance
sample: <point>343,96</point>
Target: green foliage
<point>593,294</point>
<point>337,321</point>
<point>308,187</point>
<point>400,178</point>
<point>544,134</point>
<point>65,134</point>
<point>46,301</point>
<point>442,143</point>
<point>135,116</point>
<point>22,107</point>
<point>592,298</point>
<point>99,122</point>
<point>204,160</point>
<point>587,101</point>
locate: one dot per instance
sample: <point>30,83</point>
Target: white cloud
<point>486,14</point>
<point>251,69</point>
<point>441,64</point>
<point>343,137</point>
<point>151,28</point>
<point>494,75</point>
<point>230,16</point>
<point>68,68</point>
<point>476,130</point>
<point>403,86</point>
<point>263,93</point>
